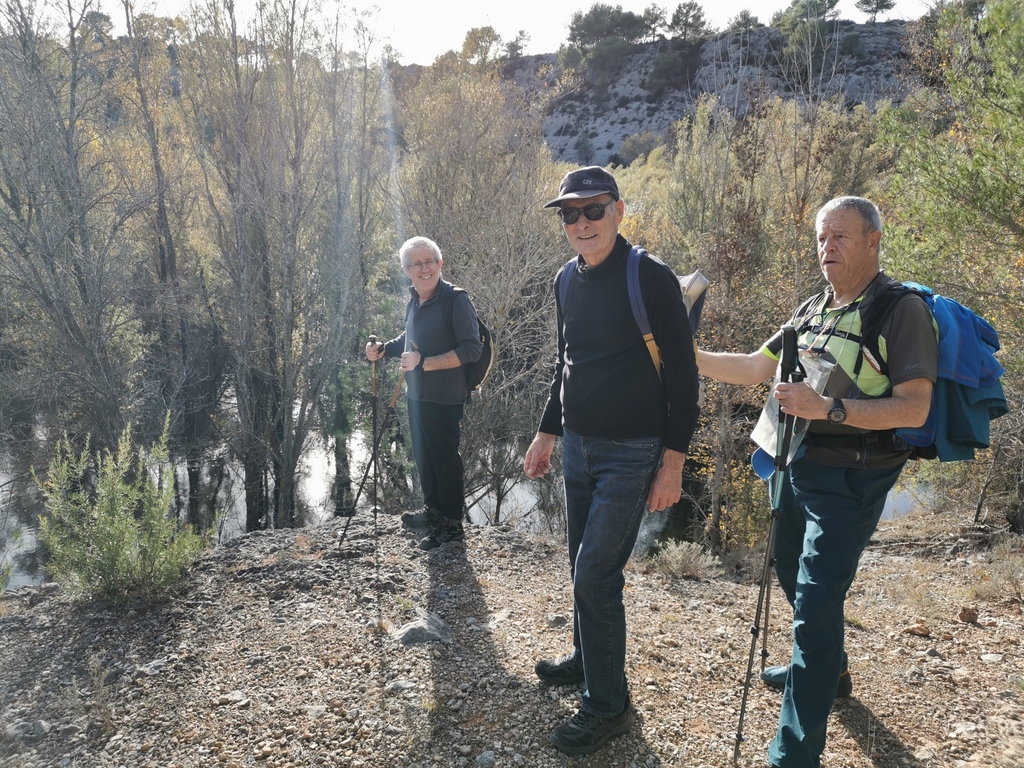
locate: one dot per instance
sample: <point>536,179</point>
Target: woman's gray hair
<point>868,211</point>
<point>418,244</point>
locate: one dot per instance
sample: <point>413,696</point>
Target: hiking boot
<point>585,732</point>
<point>775,677</point>
<point>565,670</point>
<point>442,531</point>
<point>419,521</point>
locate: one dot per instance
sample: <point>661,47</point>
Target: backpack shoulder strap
<point>565,280</point>
<point>803,312</point>
<point>637,305</point>
<point>449,298</point>
<point>875,310</point>
<point>636,299</point>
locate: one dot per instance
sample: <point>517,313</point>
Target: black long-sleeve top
<point>445,322</point>
<point>605,384</point>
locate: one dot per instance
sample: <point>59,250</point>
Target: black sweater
<point>605,384</point>
<point>445,322</point>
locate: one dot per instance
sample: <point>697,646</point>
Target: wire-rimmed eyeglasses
<point>418,265</point>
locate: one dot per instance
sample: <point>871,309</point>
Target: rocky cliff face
<point>661,82</point>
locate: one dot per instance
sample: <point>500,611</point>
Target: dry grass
<point>1004,578</point>
<point>685,560</point>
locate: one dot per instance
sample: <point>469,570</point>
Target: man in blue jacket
<point>441,335</point>
<point>625,427</point>
<point>835,487</point>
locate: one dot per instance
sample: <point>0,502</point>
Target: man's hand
<point>374,351</point>
<point>410,360</point>
<point>538,457</point>
<point>667,487</point>
<point>799,399</point>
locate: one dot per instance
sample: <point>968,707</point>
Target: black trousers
<point>435,429</point>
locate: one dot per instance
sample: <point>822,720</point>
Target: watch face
<point>837,415</point>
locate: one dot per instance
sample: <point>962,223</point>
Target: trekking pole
<point>388,418</point>
<point>373,463</point>
<point>789,371</point>
<point>374,456</point>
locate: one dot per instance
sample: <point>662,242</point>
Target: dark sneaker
<point>442,532</point>
<point>419,521</point>
<point>584,732</point>
<point>775,677</point>
<point>845,688</point>
<point>565,670</point>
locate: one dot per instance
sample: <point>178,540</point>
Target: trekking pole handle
<point>787,365</point>
<point>377,343</point>
<point>373,367</point>
<point>790,370</point>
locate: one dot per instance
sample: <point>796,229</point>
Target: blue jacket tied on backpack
<point>967,393</point>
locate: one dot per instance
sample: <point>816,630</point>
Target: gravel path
<point>284,651</point>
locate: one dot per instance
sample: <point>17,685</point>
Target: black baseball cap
<point>585,182</point>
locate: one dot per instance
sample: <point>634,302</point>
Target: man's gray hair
<point>419,244</point>
<point>868,211</point>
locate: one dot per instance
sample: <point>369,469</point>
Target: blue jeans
<point>606,485</point>
<point>827,517</point>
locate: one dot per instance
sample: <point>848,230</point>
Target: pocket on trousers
<point>636,449</point>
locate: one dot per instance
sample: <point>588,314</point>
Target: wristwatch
<point>838,414</point>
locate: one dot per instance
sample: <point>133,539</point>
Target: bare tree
<point>67,260</point>
<point>362,150</point>
<point>261,102</point>
<point>189,359</point>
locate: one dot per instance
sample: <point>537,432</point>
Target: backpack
<point>967,393</point>
<point>692,285</point>
<point>477,371</point>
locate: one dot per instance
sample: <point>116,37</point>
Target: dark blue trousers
<point>828,515</point>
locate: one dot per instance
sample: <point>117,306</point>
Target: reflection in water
<point>20,505</point>
<point>905,499</point>
<point>19,547</point>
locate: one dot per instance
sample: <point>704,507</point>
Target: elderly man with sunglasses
<point>835,486</point>
<point>625,427</point>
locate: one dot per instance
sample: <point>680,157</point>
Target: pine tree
<point>874,7</point>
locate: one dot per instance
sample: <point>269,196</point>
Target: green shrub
<point>851,45</point>
<point>674,69</point>
<point>637,145</point>
<point>584,149</point>
<point>107,524</point>
<point>9,542</point>
<point>569,57</point>
<point>607,59</point>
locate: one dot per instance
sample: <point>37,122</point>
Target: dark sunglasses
<point>593,212</point>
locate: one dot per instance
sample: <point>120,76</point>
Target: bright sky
<point>420,31</point>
